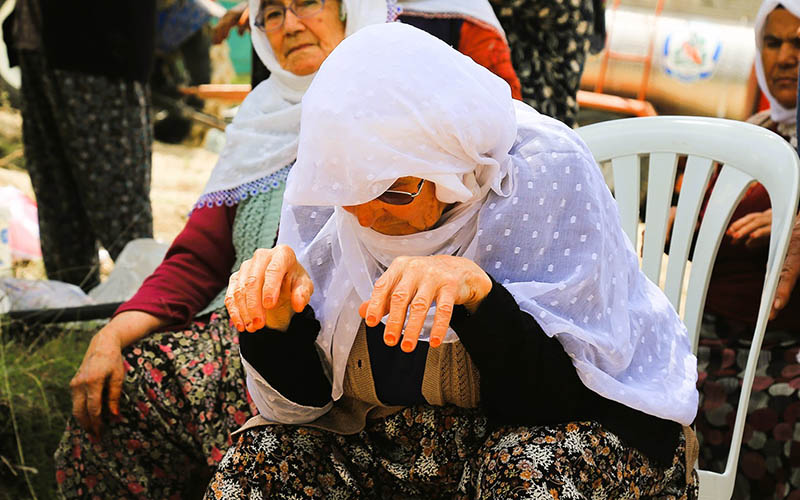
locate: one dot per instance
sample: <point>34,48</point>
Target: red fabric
<point>738,276</point>
<point>486,47</point>
<point>197,266</point>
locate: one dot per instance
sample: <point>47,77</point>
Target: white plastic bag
<point>18,294</point>
<point>136,262</point>
<point>21,224</point>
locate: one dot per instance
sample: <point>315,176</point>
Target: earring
<point>342,12</point>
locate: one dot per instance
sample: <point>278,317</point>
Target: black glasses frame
<point>392,197</point>
<point>260,23</point>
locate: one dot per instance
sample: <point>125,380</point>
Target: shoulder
<point>539,135</point>
<point>762,119</point>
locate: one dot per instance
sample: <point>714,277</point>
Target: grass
<point>36,365</point>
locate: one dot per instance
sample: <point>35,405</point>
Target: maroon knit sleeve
<point>195,269</point>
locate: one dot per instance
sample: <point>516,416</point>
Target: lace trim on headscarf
<point>232,196</point>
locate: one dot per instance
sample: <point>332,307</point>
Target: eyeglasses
<point>393,197</point>
<point>272,16</point>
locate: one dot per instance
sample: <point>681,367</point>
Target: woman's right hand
<point>101,372</point>
<point>267,290</point>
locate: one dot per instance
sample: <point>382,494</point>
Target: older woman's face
<point>300,45</point>
<point>780,53</point>
<point>395,220</point>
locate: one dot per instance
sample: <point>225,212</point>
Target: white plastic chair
<point>747,153</point>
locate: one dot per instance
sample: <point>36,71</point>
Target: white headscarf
<point>261,143</point>
<point>531,209</point>
<point>777,112</point>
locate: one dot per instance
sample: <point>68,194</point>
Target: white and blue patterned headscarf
<point>530,207</point>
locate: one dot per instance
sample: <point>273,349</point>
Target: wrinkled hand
<point>789,273</point>
<point>412,284</point>
<point>267,290</point>
<point>234,17</point>
<point>753,229</point>
<point>100,372</point>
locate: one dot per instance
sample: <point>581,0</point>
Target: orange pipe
<point>225,92</point>
<point>608,102</point>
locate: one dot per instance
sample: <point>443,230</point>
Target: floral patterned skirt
<point>184,393</point>
<point>444,452</point>
<point>769,461</point>
<point>549,41</point>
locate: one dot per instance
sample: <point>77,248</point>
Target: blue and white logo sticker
<point>691,55</point>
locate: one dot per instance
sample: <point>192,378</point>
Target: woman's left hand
<point>412,284</point>
<point>753,229</point>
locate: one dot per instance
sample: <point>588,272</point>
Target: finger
<point>281,261</point>
<point>115,389</point>
<point>230,305</point>
<point>417,312</point>
<point>94,405</point>
<point>444,312</point>
<point>254,288</point>
<point>741,221</point>
<point>301,294</point>
<point>79,402</point>
<point>747,229</point>
<point>239,295</point>
<point>378,305</point>
<point>398,307</point>
<point>788,280</point>
<point>759,237</point>
<point>362,309</point>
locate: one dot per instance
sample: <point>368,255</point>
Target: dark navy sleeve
<point>288,360</point>
<point>528,379</point>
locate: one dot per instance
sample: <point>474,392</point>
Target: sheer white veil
<point>531,208</point>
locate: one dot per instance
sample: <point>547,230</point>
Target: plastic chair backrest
<point>747,153</point>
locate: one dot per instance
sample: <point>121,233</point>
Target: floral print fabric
<point>769,461</point>
<point>549,41</point>
<point>183,394</point>
<point>444,452</point>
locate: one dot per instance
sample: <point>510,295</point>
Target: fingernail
<point>258,323</point>
<point>407,346</point>
<point>371,320</point>
<point>777,303</point>
<point>390,340</point>
<point>436,342</point>
<point>249,325</point>
<point>239,326</point>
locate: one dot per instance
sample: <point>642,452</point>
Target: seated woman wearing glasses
<point>153,408</point>
<point>453,310</point>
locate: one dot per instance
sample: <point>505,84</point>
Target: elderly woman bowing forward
<point>453,310</point>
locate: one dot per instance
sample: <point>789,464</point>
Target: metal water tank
<point>702,63</point>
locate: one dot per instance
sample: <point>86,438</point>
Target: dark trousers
<point>88,144</point>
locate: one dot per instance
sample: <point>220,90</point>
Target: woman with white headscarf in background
<point>768,462</point>
<point>549,365</point>
<point>158,393</point>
